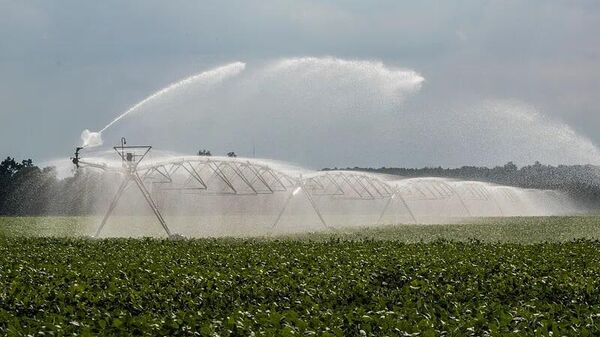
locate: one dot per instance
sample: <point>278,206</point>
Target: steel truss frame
<point>477,191</point>
<point>432,190</point>
<point>131,156</point>
<point>217,177</point>
<point>348,185</point>
<point>243,177</point>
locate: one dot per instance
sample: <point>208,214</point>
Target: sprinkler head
<point>75,159</point>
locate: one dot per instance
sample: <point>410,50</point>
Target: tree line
<point>579,181</point>
<point>26,189</point>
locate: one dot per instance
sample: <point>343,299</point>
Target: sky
<point>502,80</point>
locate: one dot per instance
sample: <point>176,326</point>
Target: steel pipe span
<point>267,194</point>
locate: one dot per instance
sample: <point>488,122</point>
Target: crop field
<point>521,276</point>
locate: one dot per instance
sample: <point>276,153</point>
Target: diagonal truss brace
<point>133,176</point>
<point>293,192</point>
<point>130,163</point>
<point>389,202</point>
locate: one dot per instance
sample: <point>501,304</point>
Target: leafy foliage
<point>510,230</point>
<point>334,286</point>
<point>26,189</point>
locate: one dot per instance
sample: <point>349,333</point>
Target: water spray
<point>229,176</point>
<point>212,76</point>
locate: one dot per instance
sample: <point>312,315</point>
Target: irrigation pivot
<point>131,156</point>
<point>259,189</point>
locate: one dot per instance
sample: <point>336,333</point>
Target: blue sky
<point>70,65</point>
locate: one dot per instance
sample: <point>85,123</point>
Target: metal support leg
<point>113,204</point>
<point>464,205</point>
<point>151,203</point>
<point>410,212</point>
<point>387,204</point>
<point>285,205</point>
<point>314,206</point>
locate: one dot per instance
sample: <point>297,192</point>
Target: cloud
<point>73,65</point>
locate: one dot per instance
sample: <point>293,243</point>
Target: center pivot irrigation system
<point>207,175</point>
<point>222,176</point>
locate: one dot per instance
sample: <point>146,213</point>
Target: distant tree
<point>23,187</point>
<point>231,154</point>
<point>510,167</point>
<point>8,169</point>
<point>27,163</point>
<point>204,153</point>
<point>9,166</point>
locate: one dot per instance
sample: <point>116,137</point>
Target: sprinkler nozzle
<point>75,159</point>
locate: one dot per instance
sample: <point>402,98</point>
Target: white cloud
<point>69,65</point>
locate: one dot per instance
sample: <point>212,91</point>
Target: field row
<point>297,287</point>
<point>513,230</point>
